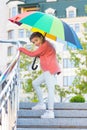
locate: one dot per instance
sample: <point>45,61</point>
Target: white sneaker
<point>48,114</point>
<point>39,106</point>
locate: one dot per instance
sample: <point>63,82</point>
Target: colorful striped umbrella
<point>49,25</point>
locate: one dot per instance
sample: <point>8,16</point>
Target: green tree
<point>61,92</point>
<point>80,61</point>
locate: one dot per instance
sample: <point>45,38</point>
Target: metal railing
<point>9,96</point>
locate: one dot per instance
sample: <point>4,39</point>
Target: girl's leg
<point>50,82</point>
<point>36,84</point>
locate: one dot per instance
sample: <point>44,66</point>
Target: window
<point>67,63</point>
<point>14,12</point>
<point>28,33</point>
<point>68,80</point>
<point>72,26</point>
<point>21,33</point>
<point>77,27</point>
<point>10,51</point>
<point>71,12</point>
<point>50,11</point>
<point>11,34</point>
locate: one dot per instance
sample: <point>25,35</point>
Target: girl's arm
<point>40,51</point>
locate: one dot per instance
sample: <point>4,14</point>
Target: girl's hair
<point>37,34</point>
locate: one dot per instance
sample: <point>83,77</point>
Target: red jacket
<point>47,55</point>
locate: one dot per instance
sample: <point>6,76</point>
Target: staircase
<point>68,116</point>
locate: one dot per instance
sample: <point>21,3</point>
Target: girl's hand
<point>20,49</point>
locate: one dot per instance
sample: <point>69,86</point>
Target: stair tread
<point>58,113</point>
<point>28,105</point>
<point>56,122</point>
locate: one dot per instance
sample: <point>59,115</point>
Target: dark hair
<point>37,34</point>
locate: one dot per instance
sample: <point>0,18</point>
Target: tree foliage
<point>61,92</point>
<point>80,59</point>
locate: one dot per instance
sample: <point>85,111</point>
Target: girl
<point>50,67</point>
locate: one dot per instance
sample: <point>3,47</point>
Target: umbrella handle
<point>34,67</point>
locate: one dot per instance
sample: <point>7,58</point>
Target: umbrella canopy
<point>49,25</point>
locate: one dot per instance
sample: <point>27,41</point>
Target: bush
<point>77,98</point>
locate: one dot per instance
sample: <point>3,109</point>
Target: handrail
<point>9,69</point>
<point>7,73</point>
<point>13,42</point>
<point>9,96</point>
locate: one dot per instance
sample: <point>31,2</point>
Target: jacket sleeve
<point>40,51</point>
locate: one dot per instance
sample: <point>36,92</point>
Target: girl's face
<point>37,41</point>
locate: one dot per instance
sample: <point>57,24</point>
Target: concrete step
<point>58,106</point>
<point>68,116</point>
<point>50,129</point>
<point>52,123</point>
<point>58,113</point>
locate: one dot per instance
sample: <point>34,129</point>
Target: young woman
<point>50,67</point>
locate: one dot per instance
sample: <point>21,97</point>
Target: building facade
<point>73,12</point>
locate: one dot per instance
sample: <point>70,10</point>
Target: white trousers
<point>50,81</point>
